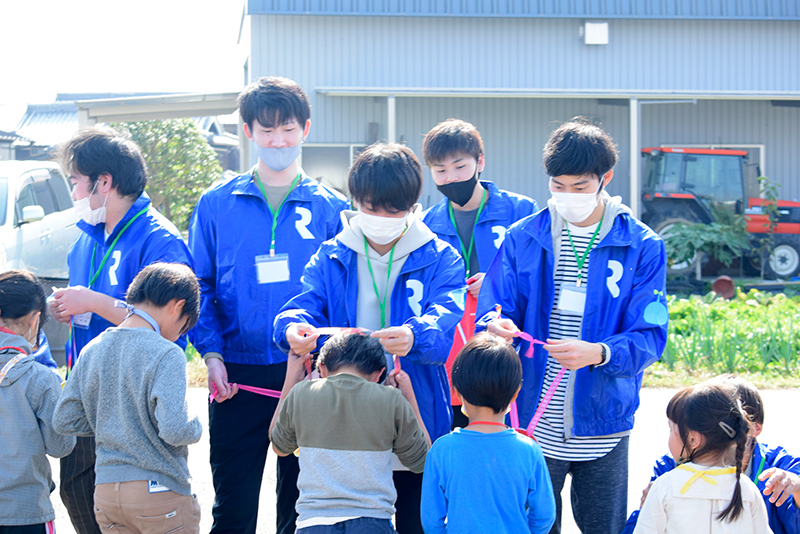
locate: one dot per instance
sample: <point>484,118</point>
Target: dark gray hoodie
<point>28,395</point>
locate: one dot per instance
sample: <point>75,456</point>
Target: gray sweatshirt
<point>128,390</point>
<point>28,395</point>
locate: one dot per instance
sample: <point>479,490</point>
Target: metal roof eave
<point>554,93</point>
<point>130,109</point>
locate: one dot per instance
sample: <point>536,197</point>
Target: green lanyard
<point>467,254</point>
<point>760,467</point>
<point>582,259</point>
<point>93,277</point>
<point>278,211</point>
<point>381,302</point>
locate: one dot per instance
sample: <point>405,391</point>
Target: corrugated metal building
<point>679,72</point>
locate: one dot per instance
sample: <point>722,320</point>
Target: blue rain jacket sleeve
<point>229,235</point>
<point>150,238</point>
<point>625,308</point>
<point>503,209</point>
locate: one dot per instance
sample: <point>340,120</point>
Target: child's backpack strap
<point>12,362</point>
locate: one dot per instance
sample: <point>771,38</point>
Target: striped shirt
<point>550,431</point>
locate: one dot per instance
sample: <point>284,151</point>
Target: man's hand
<point>781,485</point>
<point>218,376</point>
<point>574,353</point>
<point>504,328</point>
<point>301,338</point>
<point>397,340</point>
<point>73,300</point>
<point>474,284</point>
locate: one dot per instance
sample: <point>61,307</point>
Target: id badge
<point>573,298</point>
<point>271,269</point>
<point>82,320</point>
<point>154,487</point>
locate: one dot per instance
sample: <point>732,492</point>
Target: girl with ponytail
<point>705,493</point>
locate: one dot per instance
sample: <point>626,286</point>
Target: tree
<point>180,163</point>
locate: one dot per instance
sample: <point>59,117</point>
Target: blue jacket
<point>782,519</point>
<point>230,226</point>
<point>151,238</point>
<point>625,309</point>
<point>432,280</point>
<point>502,210</point>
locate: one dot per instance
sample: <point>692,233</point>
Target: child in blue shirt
<point>508,487</point>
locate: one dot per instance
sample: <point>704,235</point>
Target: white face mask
<point>575,207</point>
<point>381,230</point>
<point>85,211</point>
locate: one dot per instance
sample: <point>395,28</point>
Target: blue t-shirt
<point>486,483</point>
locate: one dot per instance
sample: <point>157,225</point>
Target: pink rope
<point>545,401</point>
<point>514,416</point>
<point>259,391</point>
<point>531,342</point>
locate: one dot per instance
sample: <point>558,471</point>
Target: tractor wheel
<point>784,260</point>
<point>662,228</point>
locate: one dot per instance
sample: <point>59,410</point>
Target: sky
<point>80,46</point>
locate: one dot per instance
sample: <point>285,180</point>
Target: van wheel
<point>663,228</point>
<point>784,260</point>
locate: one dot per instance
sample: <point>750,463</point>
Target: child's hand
<point>301,338</point>
<point>295,369</point>
<point>781,485</point>
<point>403,382</point>
<point>504,328</point>
<point>644,494</point>
<point>396,340</point>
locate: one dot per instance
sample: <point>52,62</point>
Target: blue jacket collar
<point>246,185</point>
<point>493,211</point>
<point>98,232</point>
<point>538,227</point>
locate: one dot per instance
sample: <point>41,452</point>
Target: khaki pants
<point>128,507</point>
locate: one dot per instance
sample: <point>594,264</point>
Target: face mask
<point>278,159</point>
<point>381,230</point>
<point>576,207</point>
<point>85,211</point>
<point>460,192</point>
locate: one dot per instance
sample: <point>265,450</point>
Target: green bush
<point>755,332</point>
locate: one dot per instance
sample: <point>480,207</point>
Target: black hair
<point>361,351</point>
<point>450,138</point>
<point>747,393</point>
<point>21,294</point>
<point>386,176</point>
<point>713,411</point>
<point>101,150</point>
<point>159,283</point>
<point>487,372</point>
<point>578,148</point>
<point>273,101</point>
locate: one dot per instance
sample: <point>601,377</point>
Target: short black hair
<point>21,294</point>
<point>487,372</point>
<point>386,176</point>
<point>101,150</point>
<point>361,351</point>
<point>273,101</point>
<point>450,138</point>
<point>159,283</point>
<point>578,148</point>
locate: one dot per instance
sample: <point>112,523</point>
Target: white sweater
<point>667,511</point>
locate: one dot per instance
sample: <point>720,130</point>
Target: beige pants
<point>128,507</point>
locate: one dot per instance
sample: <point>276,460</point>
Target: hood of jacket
<point>415,236</point>
<point>7,354</point>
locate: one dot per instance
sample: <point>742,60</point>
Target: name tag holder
<point>271,269</point>
<point>572,298</point>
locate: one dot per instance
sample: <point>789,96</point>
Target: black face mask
<point>460,192</point>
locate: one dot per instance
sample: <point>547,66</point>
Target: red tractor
<point>696,185</point>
